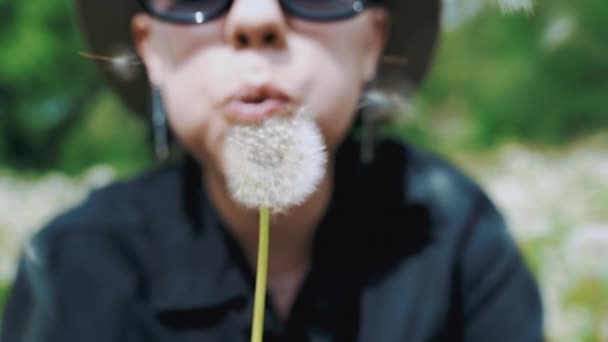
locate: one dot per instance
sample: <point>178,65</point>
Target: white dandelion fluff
<point>509,6</point>
<point>275,164</point>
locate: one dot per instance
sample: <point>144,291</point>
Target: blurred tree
<point>44,83</point>
<point>540,77</point>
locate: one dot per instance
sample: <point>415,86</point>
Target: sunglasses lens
<point>191,11</point>
<point>324,9</point>
<point>187,10</point>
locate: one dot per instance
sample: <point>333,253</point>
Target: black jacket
<point>409,250</point>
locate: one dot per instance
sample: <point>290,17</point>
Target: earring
<point>373,107</point>
<point>384,97</point>
<point>378,107</point>
<point>367,134</point>
<point>159,125</point>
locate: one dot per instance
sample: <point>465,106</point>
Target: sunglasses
<point>199,11</point>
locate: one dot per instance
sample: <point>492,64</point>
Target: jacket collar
<point>197,265</point>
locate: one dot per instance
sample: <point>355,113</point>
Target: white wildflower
<point>275,164</point>
<point>510,6</point>
<point>454,13</point>
<point>558,31</point>
<point>587,250</point>
<point>99,176</point>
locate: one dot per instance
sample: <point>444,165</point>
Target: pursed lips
<point>254,104</point>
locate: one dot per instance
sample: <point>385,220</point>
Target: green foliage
<point>591,294</point>
<point>53,111</point>
<point>539,78</point>
<point>4,291</point>
<point>107,135</point>
<point>40,97</point>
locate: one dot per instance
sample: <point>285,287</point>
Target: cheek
<point>335,87</point>
<point>339,97</point>
<point>191,94</point>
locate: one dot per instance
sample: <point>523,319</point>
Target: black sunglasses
<point>199,11</point>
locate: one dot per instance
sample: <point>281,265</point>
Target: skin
<point>321,65</point>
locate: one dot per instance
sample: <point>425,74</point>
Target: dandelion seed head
<point>275,164</point>
<point>125,64</point>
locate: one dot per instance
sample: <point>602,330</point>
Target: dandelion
<point>276,164</point>
<point>273,165</point>
<point>124,64</point>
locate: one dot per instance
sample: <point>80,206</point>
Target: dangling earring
<point>377,107</point>
<point>383,99</point>
<point>159,125</point>
<point>367,129</point>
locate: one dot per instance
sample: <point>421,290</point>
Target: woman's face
<point>254,62</point>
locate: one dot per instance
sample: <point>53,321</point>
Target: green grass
<point>4,291</point>
<point>590,294</point>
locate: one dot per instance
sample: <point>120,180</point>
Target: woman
<point>403,248</point>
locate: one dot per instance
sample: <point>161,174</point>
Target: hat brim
<point>106,26</point>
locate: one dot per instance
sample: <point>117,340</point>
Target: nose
<point>256,24</point>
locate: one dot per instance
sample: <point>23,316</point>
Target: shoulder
<point>462,218</point>
<point>115,212</point>
<point>440,185</point>
<point>412,203</point>
<point>464,260</point>
<point>77,254</point>
<point>407,184</point>
<point>451,199</point>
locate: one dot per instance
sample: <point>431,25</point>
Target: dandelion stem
<point>257,329</point>
<point>97,57</point>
